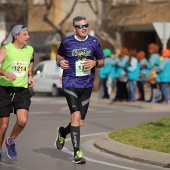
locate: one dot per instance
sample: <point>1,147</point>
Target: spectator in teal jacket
<point>142,75</point>
<point>113,73</point>
<point>133,74</point>
<point>152,63</point>
<point>122,93</point>
<point>163,75</point>
<point>104,73</point>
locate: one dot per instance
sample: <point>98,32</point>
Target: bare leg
<point>3,127</point>
<point>22,117</point>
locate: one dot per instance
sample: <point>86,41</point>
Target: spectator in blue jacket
<point>142,75</point>
<point>133,74</point>
<point>121,92</point>
<point>163,76</point>
<point>104,73</point>
<point>113,74</point>
<point>153,61</point>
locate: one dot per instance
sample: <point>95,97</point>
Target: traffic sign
<point>163,31</point>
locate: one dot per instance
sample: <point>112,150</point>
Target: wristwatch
<point>96,63</point>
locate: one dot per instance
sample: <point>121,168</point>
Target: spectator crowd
<point>131,70</point>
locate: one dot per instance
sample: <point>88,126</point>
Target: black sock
<point>66,130</point>
<point>75,137</point>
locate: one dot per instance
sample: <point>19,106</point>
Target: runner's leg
<point>22,117</point>
<point>3,127</point>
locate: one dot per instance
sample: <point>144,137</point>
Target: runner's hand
<point>89,64</point>
<point>31,81</point>
<point>10,76</point>
<point>64,64</point>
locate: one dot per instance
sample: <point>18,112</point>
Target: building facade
<point>135,18</point>
<point>45,24</point>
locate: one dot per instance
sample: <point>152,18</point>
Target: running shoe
<point>10,144</point>
<point>1,162</point>
<point>60,141</point>
<point>78,159</point>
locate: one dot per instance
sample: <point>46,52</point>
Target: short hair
<point>78,18</point>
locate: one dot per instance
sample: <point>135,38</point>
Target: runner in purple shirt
<point>78,55</point>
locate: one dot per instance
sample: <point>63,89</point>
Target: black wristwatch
<point>96,63</point>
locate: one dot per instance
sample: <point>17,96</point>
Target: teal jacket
<point>153,61</point>
<point>142,65</point>
<point>113,63</point>
<point>121,65</point>
<point>133,69</point>
<point>163,71</point>
<point>105,71</point>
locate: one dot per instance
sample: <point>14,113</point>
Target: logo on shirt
<point>81,52</point>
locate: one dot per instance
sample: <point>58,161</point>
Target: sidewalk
<point>130,152</point>
<point>145,105</point>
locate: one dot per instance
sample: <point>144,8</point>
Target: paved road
<point>35,145</point>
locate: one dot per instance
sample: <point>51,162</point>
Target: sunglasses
<point>82,26</point>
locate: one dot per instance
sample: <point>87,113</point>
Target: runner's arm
<point>61,62</point>
<point>30,73</point>
<point>89,64</point>
<point>100,63</point>
<point>8,75</point>
<point>2,57</point>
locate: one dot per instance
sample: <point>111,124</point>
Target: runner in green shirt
<point>17,62</point>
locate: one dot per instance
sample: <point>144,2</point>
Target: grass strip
<point>153,136</point>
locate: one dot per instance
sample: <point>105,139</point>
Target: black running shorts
<point>78,99</point>
<point>12,99</point>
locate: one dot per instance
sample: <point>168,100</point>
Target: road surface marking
<point>93,160</point>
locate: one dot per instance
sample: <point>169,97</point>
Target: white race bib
<point>19,68</point>
<point>80,70</point>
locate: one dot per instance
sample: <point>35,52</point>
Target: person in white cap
<point>16,76</point>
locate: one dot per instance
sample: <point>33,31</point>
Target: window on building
<point>39,2</point>
<point>11,2</point>
<point>82,1</point>
<point>124,2</point>
<point>156,1</point>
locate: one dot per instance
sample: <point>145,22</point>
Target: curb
<point>136,104</point>
<point>132,153</point>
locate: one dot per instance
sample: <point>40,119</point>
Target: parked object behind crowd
<point>133,74</point>
<point>142,75</point>
<point>152,63</point>
<point>122,93</point>
<point>163,76</point>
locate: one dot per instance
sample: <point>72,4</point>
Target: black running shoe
<point>60,141</point>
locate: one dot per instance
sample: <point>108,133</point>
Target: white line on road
<point>93,160</point>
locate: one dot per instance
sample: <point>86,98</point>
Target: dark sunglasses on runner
<point>82,26</point>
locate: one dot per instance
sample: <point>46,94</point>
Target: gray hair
<point>78,18</point>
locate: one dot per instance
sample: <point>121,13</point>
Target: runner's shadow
<point>7,160</point>
<point>54,153</point>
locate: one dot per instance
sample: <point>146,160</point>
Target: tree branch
<point>67,16</point>
<point>95,11</point>
<point>116,43</point>
<point>142,15</point>
<point>49,4</point>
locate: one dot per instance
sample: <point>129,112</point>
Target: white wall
<point>2,27</point>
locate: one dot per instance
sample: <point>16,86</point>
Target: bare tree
<point>49,5</point>
<point>101,10</point>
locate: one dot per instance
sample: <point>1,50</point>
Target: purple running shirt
<point>75,52</point>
